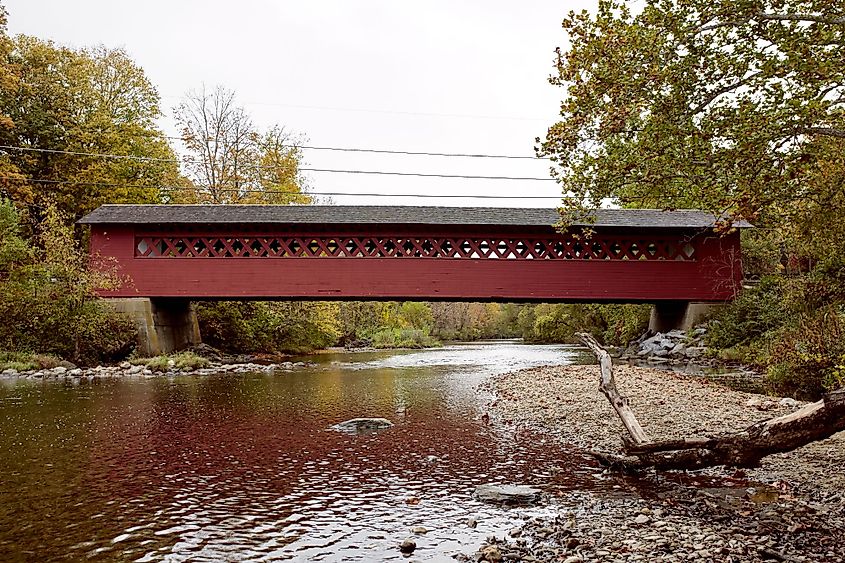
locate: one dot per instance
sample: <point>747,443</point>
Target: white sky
<point>462,76</point>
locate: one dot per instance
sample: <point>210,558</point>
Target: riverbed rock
<point>408,546</point>
<point>657,344</point>
<point>491,492</point>
<point>362,425</point>
<point>789,403</point>
<point>491,553</point>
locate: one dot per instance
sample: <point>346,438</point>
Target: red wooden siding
<point>414,262</point>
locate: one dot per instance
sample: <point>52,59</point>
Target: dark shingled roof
<point>404,215</point>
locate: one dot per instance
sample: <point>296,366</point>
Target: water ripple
<point>244,468</point>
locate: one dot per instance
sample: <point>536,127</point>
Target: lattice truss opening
<point>494,248</point>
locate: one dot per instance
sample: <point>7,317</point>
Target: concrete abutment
<point>679,315</point>
<point>164,325</point>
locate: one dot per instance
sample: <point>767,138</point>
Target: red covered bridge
<point>425,253</point>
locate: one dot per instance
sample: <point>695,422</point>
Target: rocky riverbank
<point>126,369</point>
<point>687,351</point>
<point>792,508</point>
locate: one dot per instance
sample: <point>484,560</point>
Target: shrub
<point>22,361</point>
<point>609,323</point>
<point>249,327</point>
<point>403,338</point>
<point>169,362</point>
<point>807,360</point>
<point>47,298</point>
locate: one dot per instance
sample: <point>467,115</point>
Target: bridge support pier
<point>679,315</point>
<point>164,325</point>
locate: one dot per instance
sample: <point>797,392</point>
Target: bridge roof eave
<point>348,215</point>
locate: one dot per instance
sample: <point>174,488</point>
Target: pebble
<point>795,509</point>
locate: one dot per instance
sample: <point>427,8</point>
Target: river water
<point>245,467</point>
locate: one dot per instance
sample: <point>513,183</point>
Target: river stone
<point>362,425</point>
<point>491,492</point>
<point>407,546</point>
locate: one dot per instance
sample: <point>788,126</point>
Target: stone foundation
<point>164,325</point>
<point>679,315</point>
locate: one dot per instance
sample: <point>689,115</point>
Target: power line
<point>391,112</point>
<point>282,192</point>
<point>287,145</point>
<point>427,175</point>
<point>401,152</point>
<point>310,193</point>
<point>418,153</point>
<point>305,169</point>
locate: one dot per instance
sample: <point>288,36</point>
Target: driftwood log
<point>745,448</point>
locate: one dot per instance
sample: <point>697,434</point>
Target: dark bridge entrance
<point>423,253</point>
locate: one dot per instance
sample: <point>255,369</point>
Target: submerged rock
<point>506,493</point>
<point>362,425</point>
<point>408,546</point>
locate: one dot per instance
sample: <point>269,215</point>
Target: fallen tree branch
<point>745,448</point>
<point>607,385</point>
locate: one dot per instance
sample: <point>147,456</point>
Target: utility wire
<point>306,194</point>
<point>283,192</point>
<point>287,145</point>
<point>426,175</point>
<point>387,111</point>
<point>305,169</point>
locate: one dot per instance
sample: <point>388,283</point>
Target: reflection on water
<point>245,467</point>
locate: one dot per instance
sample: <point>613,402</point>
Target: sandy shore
<point>566,402</point>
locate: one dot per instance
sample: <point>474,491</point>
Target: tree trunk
<point>745,448</point>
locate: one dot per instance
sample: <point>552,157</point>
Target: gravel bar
<point>792,508</point>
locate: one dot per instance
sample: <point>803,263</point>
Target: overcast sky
<point>437,76</point>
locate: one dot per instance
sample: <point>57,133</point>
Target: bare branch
<point>608,387</point>
<point>826,131</point>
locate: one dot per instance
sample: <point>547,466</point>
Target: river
<point>245,467</point>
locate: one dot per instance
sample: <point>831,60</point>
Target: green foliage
<point>736,108</point>
<point>21,361</point>
<point>415,315</point>
<point>611,324</point>
<point>754,313</point>
<point>474,321</point>
<point>807,359</point>
<point>268,326</point>
<point>91,101</point>
<point>403,338</point>
<point>727,106</point>
<point>47,300</point>
<point>167,362</point>
<point>790,326</point>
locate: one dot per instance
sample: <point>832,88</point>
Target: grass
<point>169,362</point>
<point>24,361</point>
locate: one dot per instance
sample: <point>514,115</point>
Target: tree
<point>229,160</point>
<point>61,109</point>
<point>47,296</point>
<point>731,106</point>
